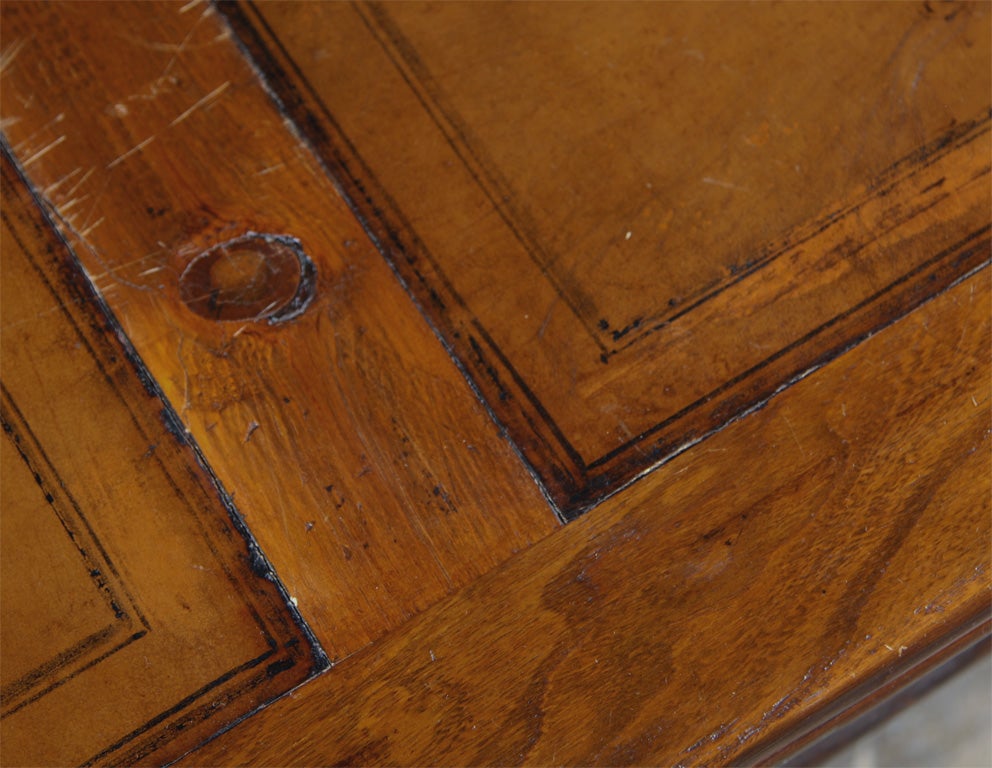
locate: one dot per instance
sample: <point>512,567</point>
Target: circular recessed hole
<point>253,277</point>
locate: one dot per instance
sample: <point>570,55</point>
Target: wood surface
<point>134,619</point>
<point>372,477</point>
<point>634,221</point>
<point>790,564</point>
<point>421,280</point>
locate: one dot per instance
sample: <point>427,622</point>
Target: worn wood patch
<point>136,619</point>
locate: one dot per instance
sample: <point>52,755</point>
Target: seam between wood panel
<point>236,19</point>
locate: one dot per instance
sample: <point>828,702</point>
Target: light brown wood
<point>802,555</point>
<point>634,221</point>
<point>791,363</point>
<point>134,620</point>
<point>370,474</point>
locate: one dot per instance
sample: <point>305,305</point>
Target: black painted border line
<point>100,568</point>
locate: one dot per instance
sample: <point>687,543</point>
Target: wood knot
<point>252,277</point>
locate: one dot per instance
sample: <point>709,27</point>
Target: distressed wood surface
<point>634,221</point>
<point>134,619</point>
<point>789,565</point>
<point>802,364</point>
<point>349,440</point>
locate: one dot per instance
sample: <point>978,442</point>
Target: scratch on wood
<point>30,139</point>
<point>84,233</point>
<point>202,102</point>
<point>133,150</point>
<point>9,54</point>
<point>56,184</point>
<point>270,169</point>
<point>794,437</point>
<point>183,43</point>
<point>74,201</point>
<point>42,152</point>
<point>547,318</point>
<point>723,184</point>
<point>78,184</point>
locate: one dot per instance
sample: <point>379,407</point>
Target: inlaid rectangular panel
<point>136,618</point>
<point>634,222</point>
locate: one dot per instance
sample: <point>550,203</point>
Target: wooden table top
<point>487,383</point>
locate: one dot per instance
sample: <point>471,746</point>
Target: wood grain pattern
<point>632,222</point>
<point>135,621</point>
<point>770,575</point>
<point>802,365</point>
<point>372,477</point>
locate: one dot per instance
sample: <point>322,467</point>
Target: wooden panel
<point>632,222</point>
<point>780,570</point>
<point>373,478</point>
<point>136,621</point>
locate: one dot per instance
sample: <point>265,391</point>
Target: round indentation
<point>253,277</point>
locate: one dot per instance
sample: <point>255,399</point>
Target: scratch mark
<point>91,227</point>
<point>46,127</point>
<point>133,150</point>
<point>794,437</point>
<point>43,152</point>
<point>723,184</point>
<point>270,169</point>
<point>547,318</point>
<point>8,56</point>
<point>151,271</point>
<point>74,201</point>
<point>125,264</point>
<point>56,184</point>
<point>79,183</point>
<point>209,97</point>
<point>921,65</point>
<point>191,4</point>
<point>182,45</point>
<point>6,122</point>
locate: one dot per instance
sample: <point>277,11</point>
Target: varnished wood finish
<point>744,263</point>
<point>374,480</point>
<point>135,619</point>
<point>790,563</point>
<point>634,221</point>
